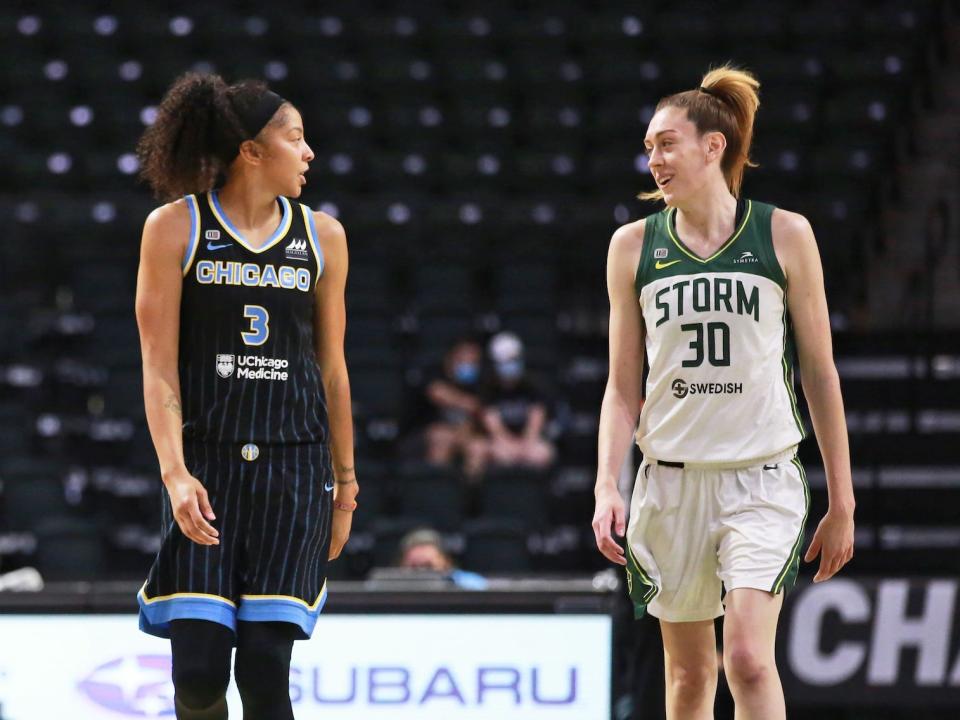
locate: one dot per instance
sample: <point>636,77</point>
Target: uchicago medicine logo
<point>135,686</point>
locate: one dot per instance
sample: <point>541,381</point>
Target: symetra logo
<point>137,686</point>
<point>746,257</point>
<point>297,250</point>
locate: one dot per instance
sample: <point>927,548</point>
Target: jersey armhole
<point>769,253</point>
<point>649,235</point>
<point>194,240</point>
<point>312,234</point>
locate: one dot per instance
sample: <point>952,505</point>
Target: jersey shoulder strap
<point>758,239</point>
<point>311,226</point>
<point>653,236</point>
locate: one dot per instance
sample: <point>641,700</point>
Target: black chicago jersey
<point>248,370</point>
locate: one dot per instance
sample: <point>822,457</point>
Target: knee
<point>263,671</point>
<point>200,687</point>
<point>691,679</point>
<point>746,665</point>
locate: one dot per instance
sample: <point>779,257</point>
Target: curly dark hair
<point>196,135</point>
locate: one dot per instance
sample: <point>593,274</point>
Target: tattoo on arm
<point>173,405</point>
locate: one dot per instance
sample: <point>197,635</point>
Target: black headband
<point>254,118</point>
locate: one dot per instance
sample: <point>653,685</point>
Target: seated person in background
<point>453,403</point>
<point>515,409</point>
<point>422,549</point>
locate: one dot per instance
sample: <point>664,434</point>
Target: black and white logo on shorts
<point>225,364</point>
<point>679,388</point>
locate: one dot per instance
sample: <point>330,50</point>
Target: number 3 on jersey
<point>259,325</point>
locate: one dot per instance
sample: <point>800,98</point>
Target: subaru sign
<point>380,666</point>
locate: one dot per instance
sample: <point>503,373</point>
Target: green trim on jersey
<point>665,255</point>
<point>788,355</point>
<point>639,585</point>
<point>787,576</point>
<point>671,223</point>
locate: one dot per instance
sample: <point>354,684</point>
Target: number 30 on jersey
<point>259,325</point>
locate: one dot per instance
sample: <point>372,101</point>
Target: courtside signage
<point>399,667</point>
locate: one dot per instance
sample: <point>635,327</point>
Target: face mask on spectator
<point>466,373</point>
<point>510,369</point>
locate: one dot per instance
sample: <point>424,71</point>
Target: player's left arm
<point>330,323</point>
<point>796,249</point>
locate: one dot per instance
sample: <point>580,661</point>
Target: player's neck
<point>709,219</point>
<point>249,207</point>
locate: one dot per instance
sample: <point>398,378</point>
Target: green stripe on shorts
<point>788,574</point>
<point>639,585</point>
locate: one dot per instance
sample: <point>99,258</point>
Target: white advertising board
<point>439,667</point>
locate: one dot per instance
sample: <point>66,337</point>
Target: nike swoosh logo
<point>328,487</point>
<point>211,246</point>
<point>662,265</point>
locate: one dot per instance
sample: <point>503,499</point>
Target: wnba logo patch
<point>225,364</point>
<point>250,452</point>
<point>659,253</point>
<point>296,250</point>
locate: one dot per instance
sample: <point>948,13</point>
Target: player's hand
<point>833,541</point>
<point>191,508</point>
<point>340,530</point>
<point>610,513</point>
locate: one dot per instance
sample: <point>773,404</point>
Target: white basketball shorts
<point>696,530</point>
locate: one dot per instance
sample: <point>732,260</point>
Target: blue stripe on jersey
<point>282,229</point>
<point>312,234</point>
<point>192,244</point>
<point>272,608</point>
<point>156,613</point>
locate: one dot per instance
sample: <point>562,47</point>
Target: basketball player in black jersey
<point>240,304</point>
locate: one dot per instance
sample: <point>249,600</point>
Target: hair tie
<point>708,91</point>
<point>254,118</point>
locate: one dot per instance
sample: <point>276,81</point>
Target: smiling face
<point>682,161</point>
<point>286,156</point>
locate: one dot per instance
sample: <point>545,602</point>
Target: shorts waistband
<point>774,460</point>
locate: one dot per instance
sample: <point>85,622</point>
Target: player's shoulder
<point>628,238</point>
<point>169,217</point>
<point>789,226</point>
<point>328,225</point>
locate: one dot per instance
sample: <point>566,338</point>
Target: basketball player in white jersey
<point>714,291</point>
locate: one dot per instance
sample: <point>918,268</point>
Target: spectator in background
<point>422,549</point>
<point>453,406</point>
<point>515,409</point>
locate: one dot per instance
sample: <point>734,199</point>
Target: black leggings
<point>201,668</point>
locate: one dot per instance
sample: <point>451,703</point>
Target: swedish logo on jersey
<point>297,250</point>
<point>250,452</point>
<point>225,364</point>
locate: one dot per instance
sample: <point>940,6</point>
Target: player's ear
<point>251,152</point>
<point>716,143</point>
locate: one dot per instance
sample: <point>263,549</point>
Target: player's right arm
<point>623,396</point>
<point>159,285</point>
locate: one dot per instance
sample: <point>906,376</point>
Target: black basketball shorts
<point>273,507</point>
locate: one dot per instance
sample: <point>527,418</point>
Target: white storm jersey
<point>718,343</point>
